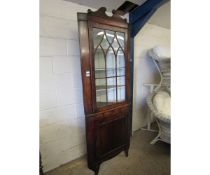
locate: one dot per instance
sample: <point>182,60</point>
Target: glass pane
<point>100,92</point>
<point>100,73</point>
<point>111,95</point>
<point>99,63</point>
<point>120,59</point>
<point>98,35</point>
<point>121,80</point>
<point>110,63</point>
<point>121,38</point>
<point>111,89</point>
<point>100,84</point>
<point>104,43</point>
<point>120,71</point>
<point>111,82</point>
<point>110,36</point>
<point>120,63</point>
<point>115,45</point>
<point>121,93</point>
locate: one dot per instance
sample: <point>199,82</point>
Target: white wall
<point>162,17</point>
<point>144,70</point>
<point>62,122</point>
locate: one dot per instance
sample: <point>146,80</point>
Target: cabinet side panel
<point>85,63</point>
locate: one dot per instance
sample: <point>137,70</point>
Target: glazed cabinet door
<point>110,66</point>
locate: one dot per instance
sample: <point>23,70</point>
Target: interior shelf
<point>103,69</point>
<point>110,77</point>
<point>103,87</point>
<point>101,104</point>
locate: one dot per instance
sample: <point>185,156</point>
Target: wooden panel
<point>90,138</point>
<point>101,17</point>
<point>85,62</point>
<point>112,133</point>
<point>107,132</point>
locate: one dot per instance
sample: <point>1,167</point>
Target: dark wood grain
<point>101,12</point>
<point>85,61</point>
<point>108,127</point>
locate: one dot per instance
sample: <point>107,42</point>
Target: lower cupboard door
<point>112,133</point>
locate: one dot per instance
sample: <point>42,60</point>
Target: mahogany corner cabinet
<point>105,66</point>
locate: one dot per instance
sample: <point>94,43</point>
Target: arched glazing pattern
<point>99,63</point>
<point>109,62</point>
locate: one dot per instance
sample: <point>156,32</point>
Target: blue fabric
<point>139,16</point>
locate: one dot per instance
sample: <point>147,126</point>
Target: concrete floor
<point>143,159</point>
